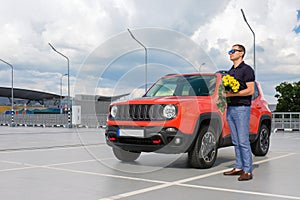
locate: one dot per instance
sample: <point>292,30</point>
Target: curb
<point>286,129</point>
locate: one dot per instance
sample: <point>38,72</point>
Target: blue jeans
<point>238,118</point>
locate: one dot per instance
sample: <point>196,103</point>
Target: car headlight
<point>114,111</point>
<point>169,111</point>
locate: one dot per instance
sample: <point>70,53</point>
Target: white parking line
<point>162,184</point>
<point>103,175</point>
<point>240,191</point>
<point>180,182</point>
<point>38,149</point>
<point>274,158</point>
<point>16,169</point>
<point>30,166</point>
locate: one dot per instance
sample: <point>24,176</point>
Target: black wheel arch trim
<point>201,121</point>
<point>262,120</point>
<point>212,116</point>
<point>268,118</point>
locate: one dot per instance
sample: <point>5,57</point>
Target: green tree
<point>288,96</point>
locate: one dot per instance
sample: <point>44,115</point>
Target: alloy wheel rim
<point>208,147</point>
<point>264,140</point>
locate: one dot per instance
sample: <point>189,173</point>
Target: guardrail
<point>43,120</point>
<point>281,121</point>
<point>92,121</point>
<point>52,120</point>
<point>286,121</point>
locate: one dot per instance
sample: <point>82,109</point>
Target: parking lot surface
<point>60,163</point>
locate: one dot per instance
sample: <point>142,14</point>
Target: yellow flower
<point>230,83</point>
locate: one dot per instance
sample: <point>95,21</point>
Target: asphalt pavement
<point>61,163</point>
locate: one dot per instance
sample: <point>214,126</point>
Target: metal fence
<point>45,120</point>
<point>52,120</point>
<point>286,121</point>
<point>93,121</point>
<point>281,121</point>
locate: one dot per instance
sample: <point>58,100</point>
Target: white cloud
<point>277,46</point>
<point>77,27</point>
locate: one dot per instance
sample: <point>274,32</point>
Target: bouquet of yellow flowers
<point>230,83</point>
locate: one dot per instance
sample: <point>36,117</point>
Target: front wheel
<point>126,156</point>
<point>204,153</point>
<point>261,146</point>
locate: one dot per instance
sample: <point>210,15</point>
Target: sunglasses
<point>232,51</point>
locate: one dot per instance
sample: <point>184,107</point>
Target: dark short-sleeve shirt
<point>243,73</point>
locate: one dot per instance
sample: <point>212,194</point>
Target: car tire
<point>261,146</point>
<point>204,152</point>
<point>126,156</point>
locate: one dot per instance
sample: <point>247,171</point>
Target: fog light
<point>172,130</point>
<point>177,141</point>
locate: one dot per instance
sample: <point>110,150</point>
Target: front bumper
<point>154,139</point>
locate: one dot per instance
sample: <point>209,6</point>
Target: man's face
<point>235,53</point>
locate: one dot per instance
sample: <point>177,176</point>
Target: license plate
<point>131,133</point>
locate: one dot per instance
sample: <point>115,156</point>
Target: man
<point>238,113</point>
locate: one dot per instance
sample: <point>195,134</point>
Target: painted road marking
<point>179,182</point>
<point>53,148</point>
<point>240,191</point>
<point>162,184</point>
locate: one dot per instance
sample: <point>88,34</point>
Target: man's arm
<point>246,92</point>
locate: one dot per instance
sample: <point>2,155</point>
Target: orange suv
<point>183,113</point>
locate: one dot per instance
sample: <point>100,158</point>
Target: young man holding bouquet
<point>238,112</point>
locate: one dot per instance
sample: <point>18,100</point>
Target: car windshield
<point>193,85</point>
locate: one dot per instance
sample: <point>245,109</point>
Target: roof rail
<point>223,72</point>
<point>171,74</point>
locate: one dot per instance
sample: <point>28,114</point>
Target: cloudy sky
<point>182,36</point>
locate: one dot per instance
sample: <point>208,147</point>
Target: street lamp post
<point>201,66</point>
<point>68,62</point>
<point>254,65</point>
<point>12,91</point>
<point>146,58</point>
<point>61,92</point>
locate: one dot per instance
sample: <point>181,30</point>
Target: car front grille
<point>139,112</point>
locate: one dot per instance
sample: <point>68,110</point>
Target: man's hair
<point>242,48</point>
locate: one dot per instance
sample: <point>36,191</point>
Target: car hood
<point>164,100</point>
